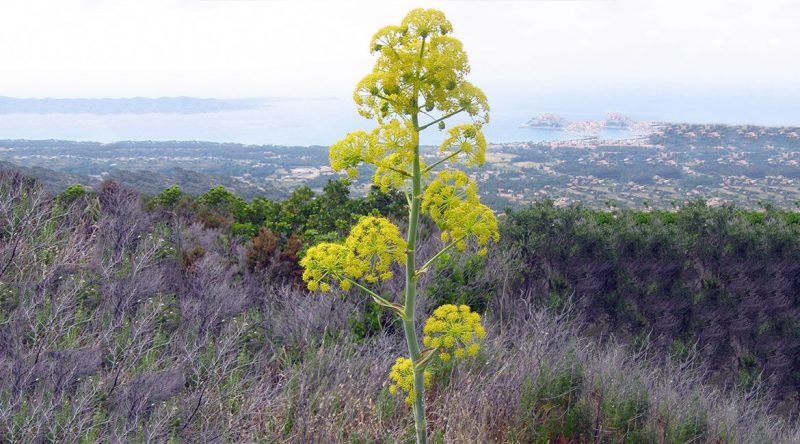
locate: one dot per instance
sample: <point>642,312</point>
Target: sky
<point>653,50</point>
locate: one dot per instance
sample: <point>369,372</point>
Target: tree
<point>418,82</point>
<point>169,197</point>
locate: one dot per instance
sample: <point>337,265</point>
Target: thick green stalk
<point>409,324</point>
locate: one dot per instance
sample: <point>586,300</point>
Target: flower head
<point>376,243</point>
<point>402,378</point>
<point>373,245</point>
<point>348,153</point>
<point>467,140</point>
<point>324,262</point>
<point>453,328</point>
<point>402,80</point>
<point>389,147</point>
<point>392,154</point>
<point>453,203</point>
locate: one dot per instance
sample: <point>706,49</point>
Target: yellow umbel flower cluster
<point>348,153</point>
<point>393,154</point>
<point>376,244</point>
<point>465,139</point>
<point>324,262</point>
<point>453,329</point>
<point>401,79</point>
<point>402,378</point>
<point>390,148</point>
<point>453,203</point>
<point>372,246</point>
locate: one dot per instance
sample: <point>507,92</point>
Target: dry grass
<point>106,335</point>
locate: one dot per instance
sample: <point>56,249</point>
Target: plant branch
<point>437,255</point>
<point>381,301</point>
<point>381,96</point>
<point>396,170</point>
<point>439,162</point>
<point>444,117</point>
<point>425,357</point>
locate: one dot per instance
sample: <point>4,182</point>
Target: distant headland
<point>613,121</point>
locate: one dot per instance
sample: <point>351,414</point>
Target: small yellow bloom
<point>448,341</point>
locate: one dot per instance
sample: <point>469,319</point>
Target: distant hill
<point>618,120</point>
<point>613,120</point>
<point>133,105</point>
<point>148,182</point>
<point>655,165</point>
<point>546,121</point>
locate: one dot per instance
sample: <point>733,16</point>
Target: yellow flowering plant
<point>418,82</point>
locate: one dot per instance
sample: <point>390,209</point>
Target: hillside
<point>179,318</point>
<point>668,165</point>
<point>147,182</point>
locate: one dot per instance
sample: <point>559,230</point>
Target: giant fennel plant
<point>418,83</point>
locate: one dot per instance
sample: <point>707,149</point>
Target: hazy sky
<point>247,48</point>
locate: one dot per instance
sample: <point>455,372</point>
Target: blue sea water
<point>296,122</point>
<point>323,121</point>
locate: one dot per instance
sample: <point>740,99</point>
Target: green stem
<point>441,161</point>
<point>436,256</point>
<point>409,325</point>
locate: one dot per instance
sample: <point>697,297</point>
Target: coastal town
<point>645,164</point>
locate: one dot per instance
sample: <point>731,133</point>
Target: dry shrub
<point>106,336</point>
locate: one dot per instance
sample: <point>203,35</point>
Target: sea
<point>322,121</point>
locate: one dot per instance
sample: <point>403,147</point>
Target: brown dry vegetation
<point>124,325</point>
